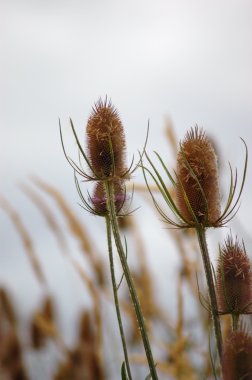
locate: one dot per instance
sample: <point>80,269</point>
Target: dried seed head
<point>99,198</point>
<point>106,141</point>
<point>234,279</point>
<point>42,324</point>
<point>237,355</point>
<point>86,333</point>
<point>83,361</point>
<point>11,358</point>
<point>6,307</point>
<point>197,180</point>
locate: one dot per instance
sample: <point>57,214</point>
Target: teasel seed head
<point>198,194</point>
<point>99,202</point>
<point>237,356</point>
<point>196,185</point>
<point>106,141</point>
<point>234,279</point>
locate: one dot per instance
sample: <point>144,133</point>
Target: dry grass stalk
<point>49,216</point>
<point>27,241</point>
<point>77,229</point>
<point>96,307</point>
<point>43,325</point>
<point>11,356</point>
<point>83,362</point>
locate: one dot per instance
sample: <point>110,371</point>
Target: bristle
<point>106,141</point>
<point>197,177</point>
<point>237,356</point>
<point>234,279</point>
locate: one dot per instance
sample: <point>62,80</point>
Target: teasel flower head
<point>195,184</point>
<point>106,141</point>
<point>234,279</point>
<point>104,158</point>
<point>237,355</point>
<point>98,201</point>
<point>198,194</point>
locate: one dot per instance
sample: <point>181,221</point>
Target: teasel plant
<point>237,354</point>
<point>234,297</point>
<point>194,201</point>
<point>234,281</point>
<point>105,164</point>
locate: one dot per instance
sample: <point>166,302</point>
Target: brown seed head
<point>237,356</point>
<point>197,179</point>
<point>234,279</point>
<point>106,141</point>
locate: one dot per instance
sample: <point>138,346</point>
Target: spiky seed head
<point>198,194</point>
<point>106,141</point>
<point>98,198</point>
<point>234,279</point>
<point>237,356</point>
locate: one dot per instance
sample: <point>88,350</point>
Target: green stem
<point>117,306</point>
<point>235,321</point>
<point>211,288</point>
<point>136,304</point>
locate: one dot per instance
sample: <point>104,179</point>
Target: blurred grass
<point>180,344</point>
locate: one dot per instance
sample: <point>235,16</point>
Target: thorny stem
<point>117,306</point>
<point>211,288</point>
<point>136,304</point>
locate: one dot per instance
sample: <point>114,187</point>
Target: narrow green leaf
<point>166,170</point>
<point>123,372</point>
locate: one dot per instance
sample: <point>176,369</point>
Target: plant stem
<point>117,306</point>
<point>235,321</point>
<point>211,288</point>
<point>109,186</point>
